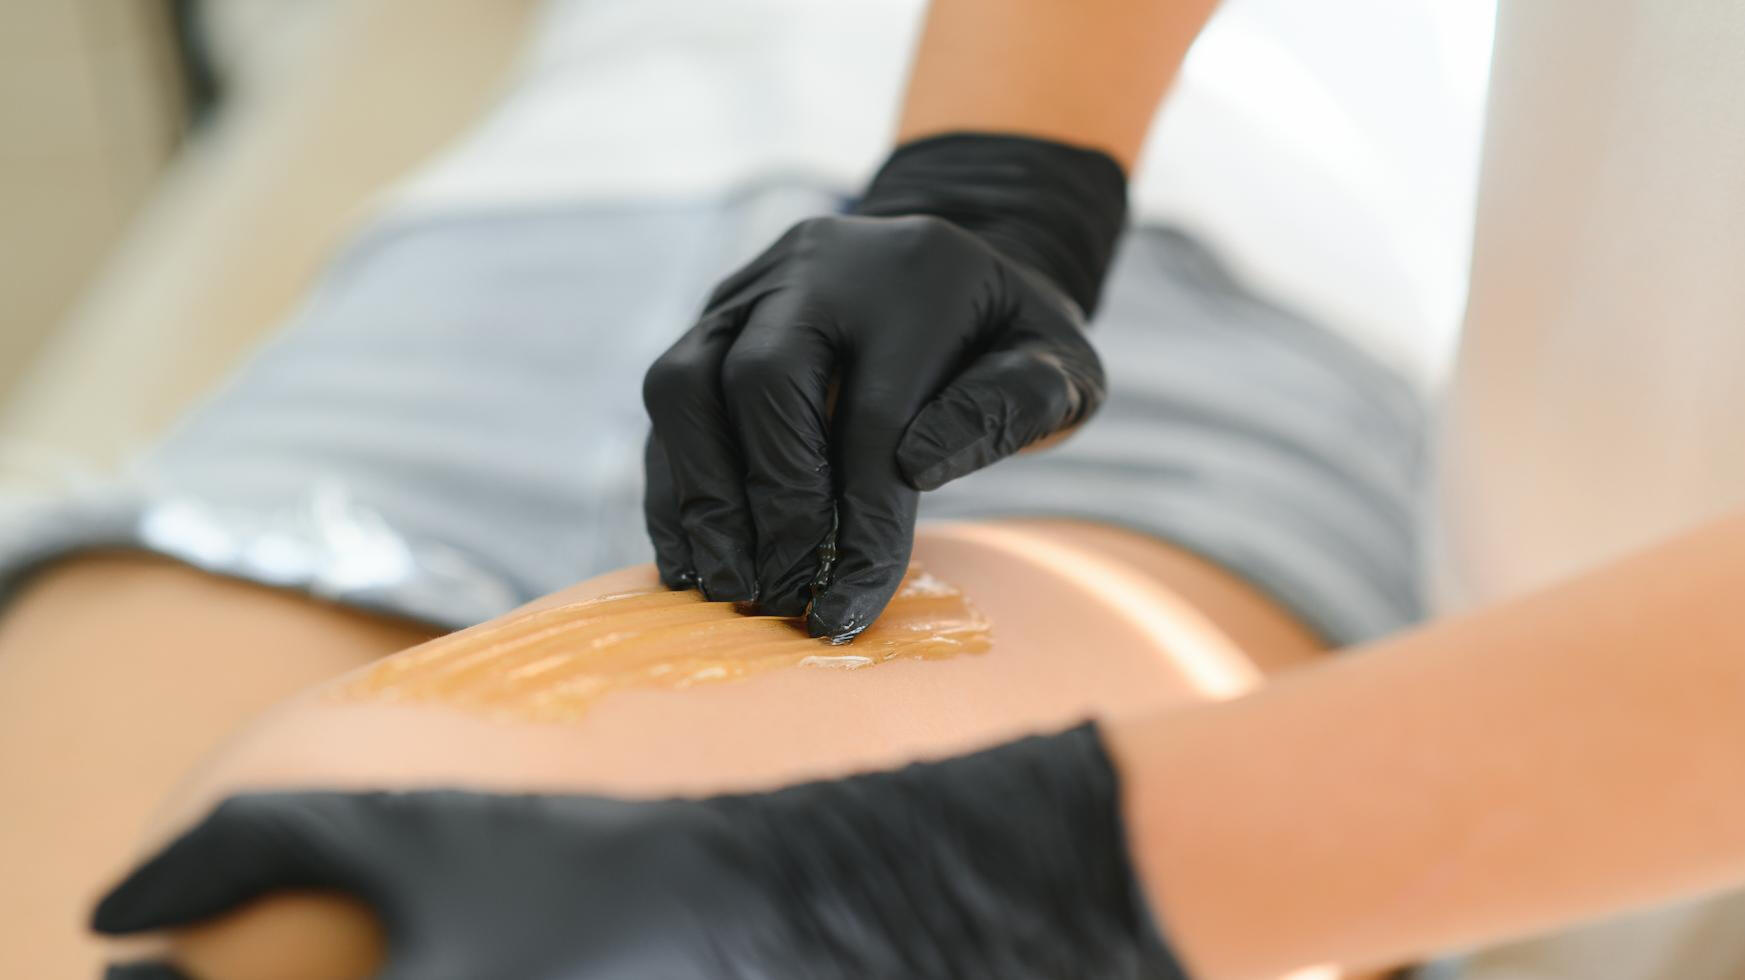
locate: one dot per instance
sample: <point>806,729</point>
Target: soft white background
<point>1329,149</point>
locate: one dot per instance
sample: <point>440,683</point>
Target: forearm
<point>1570,754</point>
<point>1085,72</point>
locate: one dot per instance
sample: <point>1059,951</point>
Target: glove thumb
<point>248,846</point>
<point>1004,402</point>
<point>144,971</point>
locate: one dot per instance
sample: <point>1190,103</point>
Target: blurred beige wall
<point>323,110</point>
<point>90,110</point>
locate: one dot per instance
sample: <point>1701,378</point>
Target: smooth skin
<point>107,697</point>
<point>1550,760</point>
<point>1546,761</point>
<point>119,672</point>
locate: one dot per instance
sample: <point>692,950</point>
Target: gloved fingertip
<point>143,971</point>
<point>117,913</point>
<point>786,604</point>
<point>728,585</point>
<point>939,472</point>
<point>931,477</point>
<point>838,618</point>
<point>722,561</point>
<point>838,634</point>
<point>929,458</point>
<point>787,595</point>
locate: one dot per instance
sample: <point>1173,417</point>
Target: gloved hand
<point>866,357</point>
<point>1006,863</point>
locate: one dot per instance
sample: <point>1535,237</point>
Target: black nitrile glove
<point>1008,863</point>
<point>866,357</point>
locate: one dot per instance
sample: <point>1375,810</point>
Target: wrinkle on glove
<point>1011,863</point>
<point>867,357</point>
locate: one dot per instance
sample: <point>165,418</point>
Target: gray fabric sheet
<point>452,424</point>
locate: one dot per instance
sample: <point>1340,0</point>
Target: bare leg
<point>99,719</point>
<point>1066,643</point>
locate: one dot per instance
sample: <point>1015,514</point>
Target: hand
<point>1007,863</point>
<point>864,358</point>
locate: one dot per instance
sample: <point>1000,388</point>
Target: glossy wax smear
<point>553,664</point>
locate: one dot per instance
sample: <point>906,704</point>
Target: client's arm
<point>1564,756</point>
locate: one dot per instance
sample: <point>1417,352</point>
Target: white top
<point>1598,404</point>
<point>1333,165</point>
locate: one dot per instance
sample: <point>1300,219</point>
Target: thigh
<point>1074,629</point>
<point>524,703</point>
<point>117,672</point>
